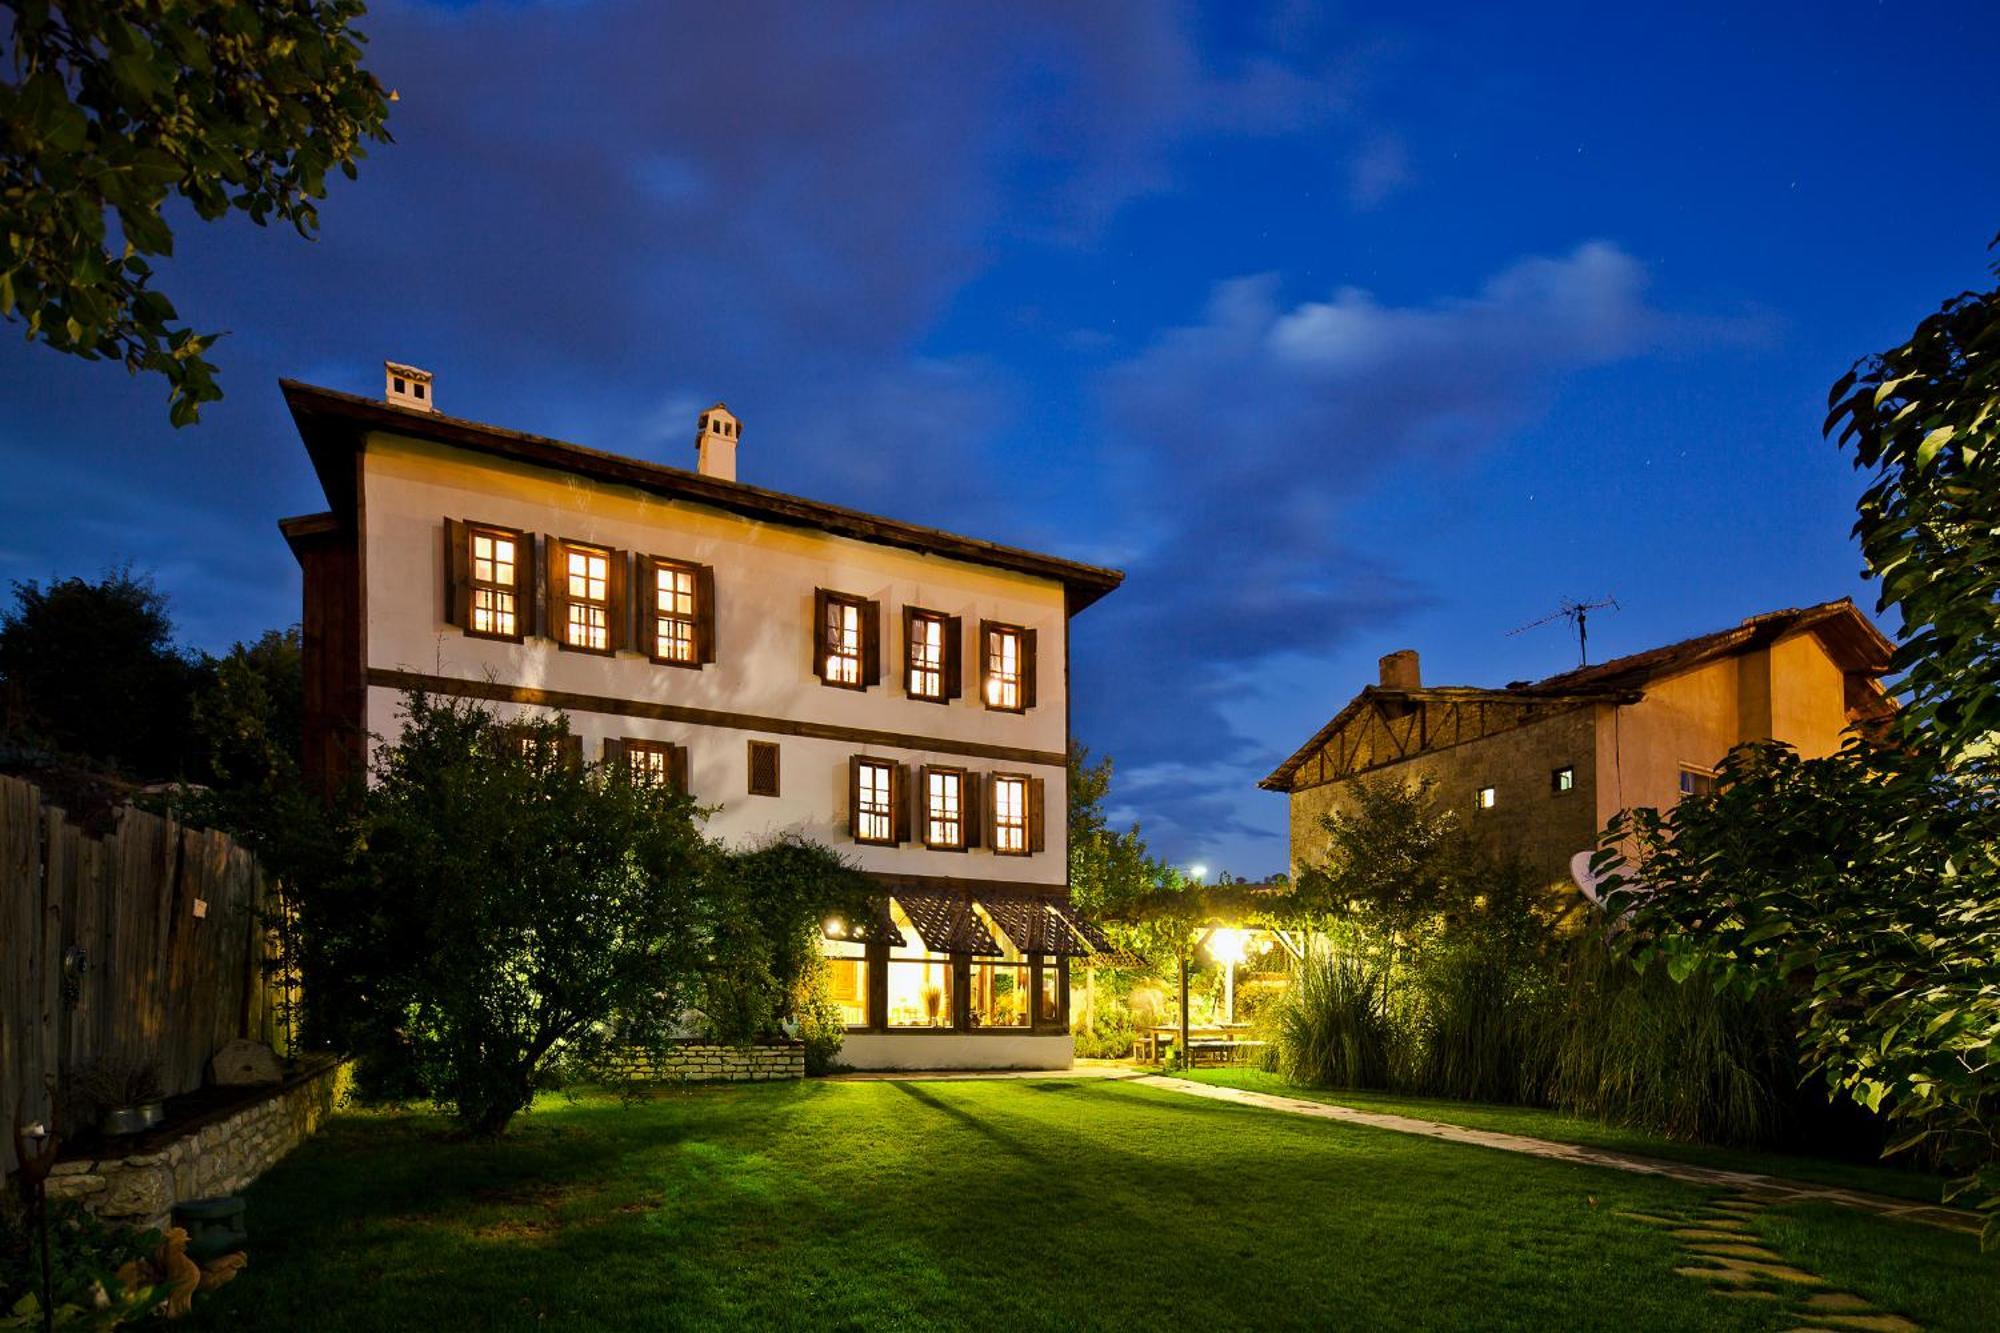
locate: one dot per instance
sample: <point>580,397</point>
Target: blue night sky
<point>1340,334</point>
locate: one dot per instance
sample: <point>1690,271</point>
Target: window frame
<point>675,759</point>
<point>995,829</point>
<point>1562,780</point>
<point>1486,798</point>
<point>750,751</point>
<point>1024,666</point>
<point>1700,777</point>
<point>867,636</point>
<point>887,813</point>
<point>966,808</point>
<point>950,669</point>
<point>701,619</point>
<point>461,536</point>
<point>562,598</point>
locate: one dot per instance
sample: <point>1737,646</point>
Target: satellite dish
<point>1586,879</point>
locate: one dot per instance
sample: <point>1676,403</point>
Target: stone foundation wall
<point>707,1062</point>
<point>221,1156</point>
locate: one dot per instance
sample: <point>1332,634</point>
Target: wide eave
<point>334,425</point>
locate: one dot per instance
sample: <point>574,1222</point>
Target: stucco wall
<point>765,575</point>
<point>876,1050</point>
<point>1528,818</point>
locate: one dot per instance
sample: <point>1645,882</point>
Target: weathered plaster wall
<point>765,575</point>
<point>1528,817</point>
<point>221,1157</point>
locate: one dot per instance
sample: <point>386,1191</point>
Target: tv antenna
<point>1577,614</point>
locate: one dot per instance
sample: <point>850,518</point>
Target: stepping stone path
<point>1730,1256</point>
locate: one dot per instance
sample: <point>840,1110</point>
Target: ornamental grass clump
<point>1332,1028</point>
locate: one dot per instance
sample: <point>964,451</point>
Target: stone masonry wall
<point>220,1157</point>
<point>707,1062</point>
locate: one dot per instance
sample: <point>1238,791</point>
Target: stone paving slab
<point>1766,1189</point>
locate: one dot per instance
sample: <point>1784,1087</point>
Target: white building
<point>895,692</point>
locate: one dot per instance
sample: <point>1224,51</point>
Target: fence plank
<point>163,987</point>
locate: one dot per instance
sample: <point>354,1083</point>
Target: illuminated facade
<point>894,692</point>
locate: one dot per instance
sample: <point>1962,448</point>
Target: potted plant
<point>125,1095</point>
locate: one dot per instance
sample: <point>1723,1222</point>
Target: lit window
<point>840,642</point>
<point>651,763</point>
<point>1488,797</point>
<point>874,813</point>
<point>1003,667</point>
<point>1562,779</point>
<point>926,655</point>
<point>1010,816</point>
<point>1049,1001</point>
<point>493,585</point>
<point>674,613</point>
<point>1697,782</point>
<point>919,981</point>
<point>588,572</point>
<point>944,808</point>
<point>998,990</point>
<point>847,981</point>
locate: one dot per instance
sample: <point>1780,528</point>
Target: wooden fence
<point>164,929</point>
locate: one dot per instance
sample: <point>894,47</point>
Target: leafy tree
<point>250,713</point>
<point>1864,886</point>
<point>116,107</point>
<point>90,671</point>
<point>500,906</point>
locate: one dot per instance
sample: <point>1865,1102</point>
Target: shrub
<point>1332,1029</point>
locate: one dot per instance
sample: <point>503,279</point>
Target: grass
<point>1537,1122</point>
<point>1053,1204</point>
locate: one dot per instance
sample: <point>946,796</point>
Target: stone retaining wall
<point>221,1156</point>
<point>707,1062</point>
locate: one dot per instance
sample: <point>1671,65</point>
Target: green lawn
<point>1055,1204</point>
<point>1539,1123</point>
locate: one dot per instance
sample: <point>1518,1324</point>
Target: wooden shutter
<point>909,648</point>
<point>763,768</point>
<point>854,797</point>
<point>614,752</point>
<point>1037,824</point>
<point>556,580</point>
<point>572,750</point>
<point>618,634</point>
<point>457,574</point>
<point>677,768</point>
<point>818,635</point>
<point>1027,669</point>
<point>954,658</point>
<point>922,819</point>
<point>704,614</point>
<point>899,800</point>
<point>969,807</point>
<point>989,785</point>
<point>526,585</point>
<point>871,643</point>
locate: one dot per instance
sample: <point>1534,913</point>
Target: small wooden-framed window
<point>878,807</point>
<point>1008,818</point>
<point>1697,781</point>
<point>847,640</point>
<point>1486,798</point>
<point>489,580</point>
<point>951,808</point>
<point>587,607</point>
<point>650,763</point>
<point>1006,666</point>
<point>1562,780</point>
<point>536,745</point>
<point>763,768</point>
<point>932,668</point>
<point>677,610</point>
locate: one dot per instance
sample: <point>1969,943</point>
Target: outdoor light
<point>1227,944</point>
<point>835,928</point>
<point>1198,872</point>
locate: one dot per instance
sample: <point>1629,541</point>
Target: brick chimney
<point>715,443</point>
<point>1399,670</point>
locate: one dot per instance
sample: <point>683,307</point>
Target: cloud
<point>1242,441</point>
<point>1378,170</point>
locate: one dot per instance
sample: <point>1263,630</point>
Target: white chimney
<point>715,443</point>
<point>408,387</point>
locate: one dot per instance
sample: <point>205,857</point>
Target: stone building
<point>1539,768</point>
<point>895,692</point>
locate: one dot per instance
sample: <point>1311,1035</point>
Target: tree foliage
<point>90,671</point>
<point>117,107</point>
<point>1864,886</point>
